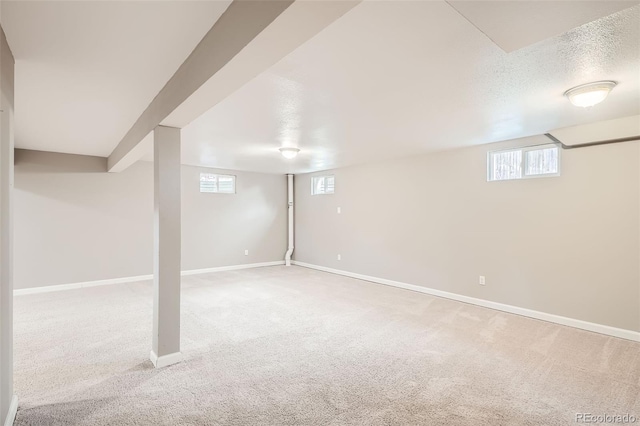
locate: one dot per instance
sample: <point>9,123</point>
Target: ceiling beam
<point>247,39</point>
<point>238,25</point>
<point>299,23</point>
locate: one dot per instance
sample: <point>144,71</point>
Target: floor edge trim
<point>124,280</point>
<point>557,319</point>
<point>13,411</point>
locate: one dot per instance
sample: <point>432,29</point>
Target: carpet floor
<point>294,346</point>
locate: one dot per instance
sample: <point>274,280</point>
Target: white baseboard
<point>61,287</point>
<point>165,360</point>
<point>13,410</point>
<point>74,286</point>
<point>571,322</point>
<point>231,268</point>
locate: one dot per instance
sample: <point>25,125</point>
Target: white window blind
<point>223,184</point>
<point>523,163</point>
<point>542,161</point>
<point>323,185</point>
<point>226,184</point>
<point>506,165</point>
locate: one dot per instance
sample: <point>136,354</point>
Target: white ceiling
<point>515,24</point>
<point>618,128</point>
<point>85,70</point>
<point>387,79</point>
<point>393,79</point>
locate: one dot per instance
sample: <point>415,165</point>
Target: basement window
<point>222,184</point>
<point>323,185</point>
<point>522,163</point>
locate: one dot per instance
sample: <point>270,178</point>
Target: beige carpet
<point>292,346</point>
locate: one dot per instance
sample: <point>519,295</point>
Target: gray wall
<point>76,223</point>
<point>567,245</point>
<point>6,227</point>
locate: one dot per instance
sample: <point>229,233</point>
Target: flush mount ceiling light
<point>587,95</point>
<point>289,152</point>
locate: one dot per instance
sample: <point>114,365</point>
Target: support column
<point>166,253</point>
<point>8,401</point>
<point>290,219</point>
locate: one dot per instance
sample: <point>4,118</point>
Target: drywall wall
<point>76,223</point>
<point>7,400</point>
<point>565,245</point>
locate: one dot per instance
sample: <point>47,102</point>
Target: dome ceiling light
<point>590,94</point>
<point>289,152</point>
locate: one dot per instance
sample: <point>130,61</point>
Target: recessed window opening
<point>321,185</point>
<point>222,184</point>
<point>522,163</point>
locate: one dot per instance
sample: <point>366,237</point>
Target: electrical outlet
<point>339,210</point>
<point>481,281</point>
<point>339,257</point>
<point>246,252</point>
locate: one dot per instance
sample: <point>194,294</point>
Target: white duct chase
<point>287,256</point>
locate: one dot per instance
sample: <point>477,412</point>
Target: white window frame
<point>313,185</point>
<point>217,176</point>
<point>524,151</point>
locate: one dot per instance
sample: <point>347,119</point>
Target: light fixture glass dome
<point>289,152</point>
<point>590,94</point>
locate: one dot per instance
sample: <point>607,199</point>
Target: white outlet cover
<point>339,257</point>
<point>481,280</point>
<point>246,252</point>
<point>339,210</point>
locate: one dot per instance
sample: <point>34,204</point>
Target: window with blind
<point>529,162</point>
<point>323,185</point>
<point>223,184</point>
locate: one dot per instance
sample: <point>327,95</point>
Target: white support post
<point>166,254</point>
<point>290,246</point>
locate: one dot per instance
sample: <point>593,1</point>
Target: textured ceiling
<point>85,70</point>
<point>519,23</point>
<point>387,79</point>
<point>393,79</point>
